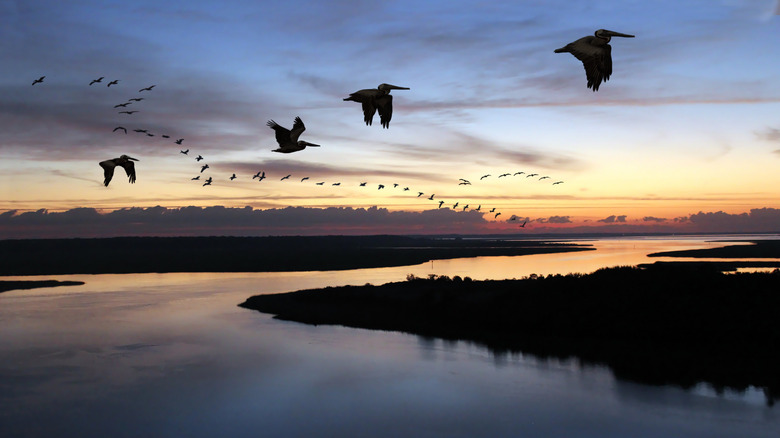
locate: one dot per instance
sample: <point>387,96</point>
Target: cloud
<point>757,220</point>
<point>612,219</point>
<point>769,134</point>
<point>654,219</point>
<point>555,220</point>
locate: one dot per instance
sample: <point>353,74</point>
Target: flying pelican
<point>196,178</point>
<point>336,184</point>
<point>233,177</point>
<point>518,173</point>
<point>544,177</point>
<point>261,177</point>
<point>208,182</point>
<point>124,161</point>
<point>284,178</point>
<point>304,178</point>
<point>96,81</point>
<point>456,205</point>
<point>504,174</point>
<point>184,152</point>
<point>478,208</point>
<point>166,136</point>
<point>381,186</point>
<point>595,54</point>
<point>431,198</point>
<point>465,207</point>
<point>136,99</point>
<point>484,176</point>
<point>114,82</point>
<point>441,203</point>
<point>287,139</point>
<point>127,112</point>
<point>39,80</point>
<point>139,130</point>
<point>531,174</point>
<point>420,194</point>
<point>557,182</point>
<point>406,189</point>
<point>320,183</point>
<point>362,184</point>
<point>523,224</point>
<point>198,158</point>
<point>149,88</point>
<point>149,134</point>
<point>492,210</point>
<point>120,127</point>
<point>464,180</point>
<point>203,167</point>
<point>179,141</point>
<point>374,99</point>
<point>257,175</point>
<point>122,104</point>
<point>466,183</point>
<point>497,215</point>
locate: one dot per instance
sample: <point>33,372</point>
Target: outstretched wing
<point>385,106</point>
<point>130,170</point>
<point>108,171</point>
<point>282,133</point>
<point>596,59</point>
<point>297,130</point>
<point>369,109</point>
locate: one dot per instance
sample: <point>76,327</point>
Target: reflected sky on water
<point>172,355</point>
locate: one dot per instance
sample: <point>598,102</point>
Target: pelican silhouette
<point>196,178</point>
<point>284,178</point>
<point>456,205</point>
<point>149,134</point>
<point>120,127</point>
<point>484,176</point>
<point>544,177</point>
<point>304,178</point>
<point>287,139</point>
<point>362,184</point>
<point>233,177</point>
<point>497,214</point>
<point>406,189</point>
<point>336,184</point>
<point>595,54</point>
<point>531,174</point>
<point>523,224</point>
<point>203,167</point>
<point>179,141</point>
<point>518,173</point>
<point>127,112</point>
<point>261,177</point>
<point>136,99</point>
<point>124,161</point>
<point>420,194</point>
<point>381,186</point>
<point>149,88</point>
<point>139,130</point>
<point>39,80</point>
<point>114,82</point>
<point>465,181</point>
<point>557,182</point>
<point>320,183</point>
<point>504,174</point>
<point>441,203</point>
<point>478,208</point>
<point>96,81</point>
<point>166,136</point>
<point>184,152</point>
<point>123,105</point>
<point>431,198</point>
<point>465,207</point>
<point>492,210</point>
<point>376,99</point>
<point>257,175</point>
<point>198,158</point>
<point>208,182</point>
<point>395,185</point>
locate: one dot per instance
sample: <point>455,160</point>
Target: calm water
<point>163,355</point>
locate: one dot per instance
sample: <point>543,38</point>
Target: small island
<point>6,285</point>
<point>657,324</point>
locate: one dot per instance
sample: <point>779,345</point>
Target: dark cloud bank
<point>246,221</point>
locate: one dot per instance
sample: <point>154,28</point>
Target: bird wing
<point>369,109</point>
<point>385,106</point>
<point>130,170</point>
<point>282,133</point>
<point>108,171</point>
<point>297,130</point>
<point>597,60</point>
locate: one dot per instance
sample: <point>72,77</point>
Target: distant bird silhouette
<point>120,127</point>
<point>504,174</point>
<point>149,88</point>
<point>320,183</point>
<point>233,177</point>
<point>39,80</point>
<point>149,134</point>
<point>139,130</point>
<point>518,173</point>
<point>166,136</point>
<point>257,175</point>
<point>288,139</point>
<point>523,224</point>
<point>420,194</point>
<point>483,177</point>
<point>185,152</point>
<point>544,177</point>
<point>203,167</point>
<point>557,182</point>
<point>125,162</point>
<point>127,112</point>
<point>198,158</point>
<point>464,180</point>
<point>179,141</point>
<point>114,82</point>
<point>376,99</point>
<point>456,205</point>
<point>406,189</point>
<point>464,183</point>
<point>336,184</point>
<point>595,54</point>
<point>478,208</point>
<point>431,198</point>
<point>492,210</point>
<point>97,81</point>
<point>304,178</point>
<point>261,177</point>
<point>284,178</point>
<point>362,184</point>
<point>196,178</point>
<point>381,186</point>
<point>465,207</point>
<point>208,182</point>
<point>122,105</point>
<point>498,214</point>
<point>136,99</point>
<point>441,203</point>
<point>395,185</point>
<point>531,174</point>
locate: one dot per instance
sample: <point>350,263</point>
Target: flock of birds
<point>593,51</point>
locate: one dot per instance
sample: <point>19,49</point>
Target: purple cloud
<point>612,219</point>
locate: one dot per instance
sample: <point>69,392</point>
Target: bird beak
<point>312,144</point>
<point>396,87</point>
<point>618,34</point>
<point>134,159</point>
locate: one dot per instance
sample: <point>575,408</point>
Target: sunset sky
<point>686,131</point>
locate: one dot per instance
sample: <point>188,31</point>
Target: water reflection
<point>172,355</point>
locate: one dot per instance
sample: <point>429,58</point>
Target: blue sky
<point>687,123</point>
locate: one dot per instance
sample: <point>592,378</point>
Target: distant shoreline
<point>125,255</point>
<point>661,324</point>
<point>6,285</point>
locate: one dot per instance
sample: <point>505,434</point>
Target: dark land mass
<point>764,249</point>
<point>5,286</point>
<point>661,324</point>
<point>124,255</point>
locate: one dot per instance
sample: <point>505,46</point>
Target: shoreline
<point>6,285</point>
